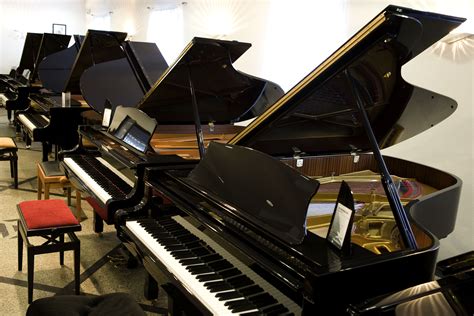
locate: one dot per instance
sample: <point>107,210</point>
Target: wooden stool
<point>50,219</point>
<point>49,177</point>
<point>8,151</point>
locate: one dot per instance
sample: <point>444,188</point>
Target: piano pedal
<point>121,259</point>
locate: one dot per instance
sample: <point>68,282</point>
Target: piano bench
<point>50,177</point>
<point>117,304</point>
<point>50,219</point>
<point>8,151</point>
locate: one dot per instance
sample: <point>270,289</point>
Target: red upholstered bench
<point>50,219</point>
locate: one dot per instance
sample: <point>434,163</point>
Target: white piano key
<point>87,180</point>
<point>190,282</point>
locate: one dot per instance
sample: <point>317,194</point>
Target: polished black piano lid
<point>223,94</point>
<point>239,176</point>
<point>319,115</point>
<point>123,81</point>
<point>50,44</point>
<point>97,47</point>
<point>30,52</point>
<point>54,70</point>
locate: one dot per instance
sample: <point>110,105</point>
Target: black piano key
<point>243,307</point>
<point>251,314</point>
<point>168,241</point>
<point>187,262</point>
<point>219,287</point>
<point>228,295</point>
<point>183,254</point>
<point>254,289</point>
<point>213,283</point>
<point>200,251</point>
<point>187,238</point>
<point>220,265</point>
<point>235,303</point>
<point>210,258</point>
<point>199,269</point>
<point>275,310</point>
<point>176,247</point>
<point>208,277</point>
<point>240,281</point>
<point>230,273</point>
<point>263,300</point>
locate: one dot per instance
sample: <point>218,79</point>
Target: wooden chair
<point>8,151</point>
<point>50,177</point>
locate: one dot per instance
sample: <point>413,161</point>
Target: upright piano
<point>50,122</point>
<point>201,87</point>
<point>244,230</point>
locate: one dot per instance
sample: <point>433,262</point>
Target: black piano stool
<point>116,304</point>
<point>50,219</point>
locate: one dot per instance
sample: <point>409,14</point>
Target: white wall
<point>21,16</point>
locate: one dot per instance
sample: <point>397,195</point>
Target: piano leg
<point>151,288</point>
<point>98,223</point>
<point>178,304</point>
<point>46,150</point>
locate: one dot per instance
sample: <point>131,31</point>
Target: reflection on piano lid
<point>223,94</point>
<point>450,295</point>
<point>347,105</point>
<point>97,47</point>
<point>123,80</point>
<point>50,44</point>
<point>30,52</point>
<point>54,70</point>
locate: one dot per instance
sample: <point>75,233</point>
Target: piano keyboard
<point>32,122</point>
<point>219,280</point>
<point>103,179</point>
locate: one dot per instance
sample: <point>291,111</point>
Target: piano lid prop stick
<point>197,119</point>
<point>394,199</point>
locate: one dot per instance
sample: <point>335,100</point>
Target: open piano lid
<point>50,44</point>
<point>54,70</point>
<point>223,94</point>
<point>97,47</point>
<point>125,80</point>
<point>30,51</point>
<point>320,116</point>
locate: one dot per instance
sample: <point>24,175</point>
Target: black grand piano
<point>136,66</point>
<point>9,83</point>
<point>242,232</point>
<point>201,87</point>
<point>37,46</point>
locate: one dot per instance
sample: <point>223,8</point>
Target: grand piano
<point>9,82</point>
<point>201,87</point>
<point>244,230</point>
<point>136,66</point>
<point>37,46</point>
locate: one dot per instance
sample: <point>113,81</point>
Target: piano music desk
<point>50,177</point>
